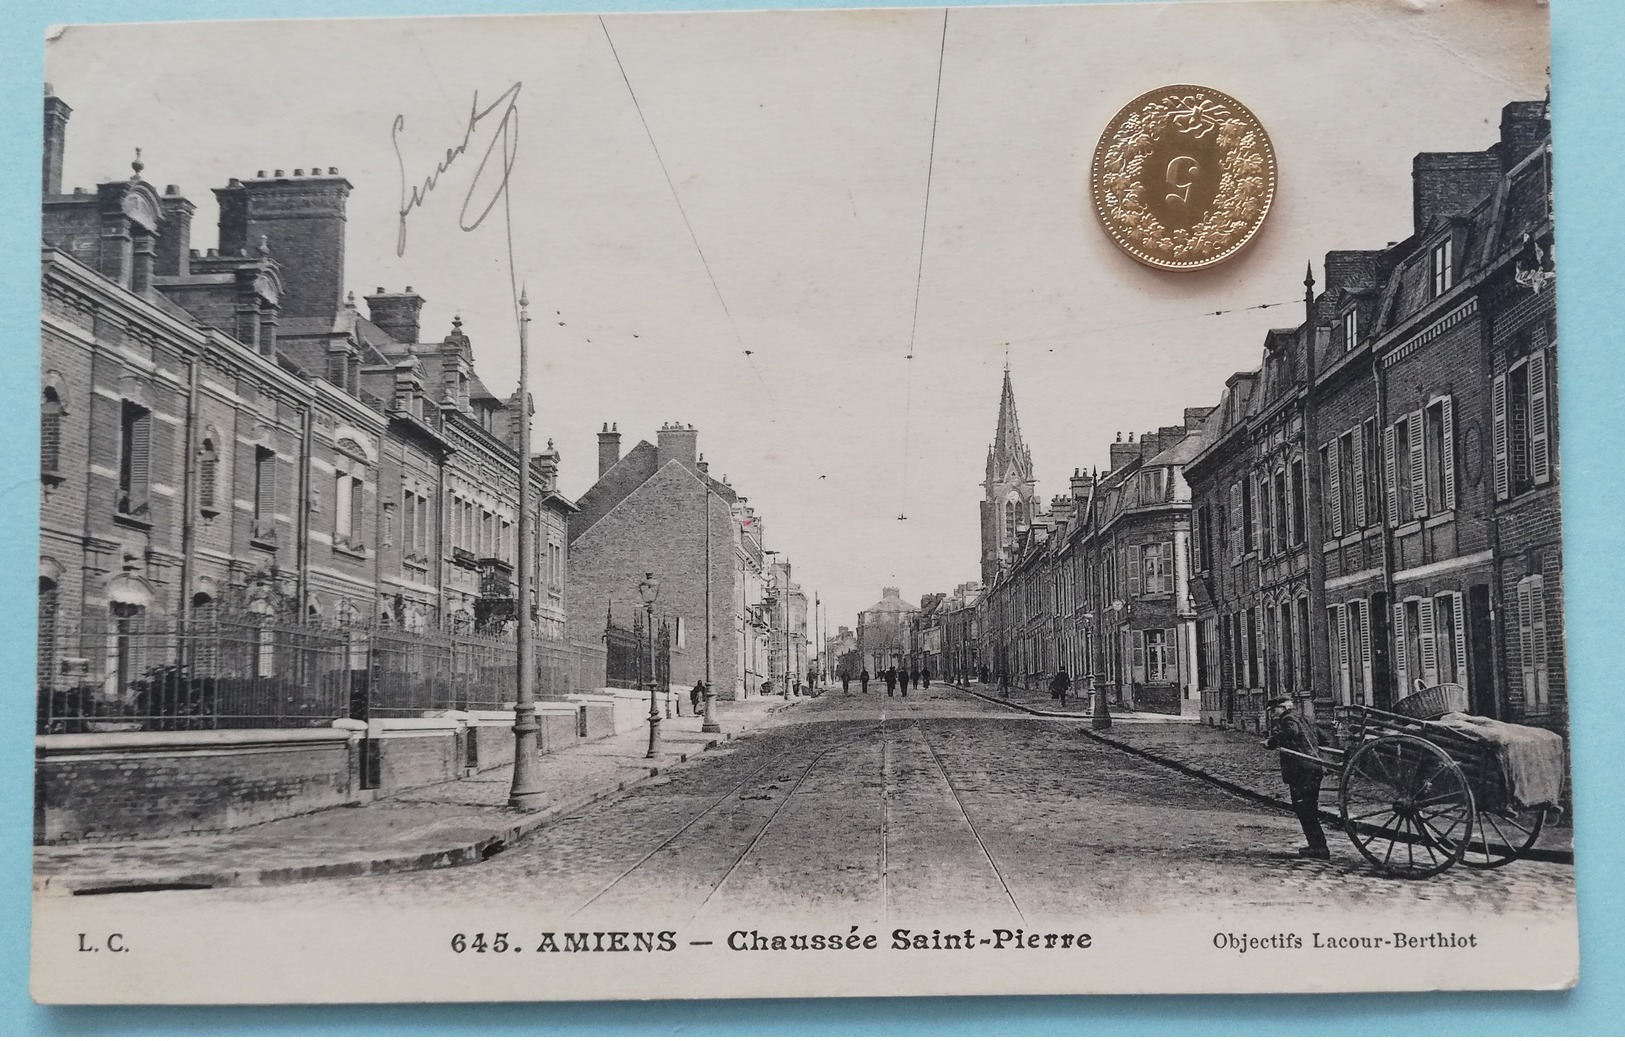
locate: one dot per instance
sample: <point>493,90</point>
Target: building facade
<point>225,434</point>
<point>885,631</point>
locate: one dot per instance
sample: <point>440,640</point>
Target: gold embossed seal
<point>1183,177</point>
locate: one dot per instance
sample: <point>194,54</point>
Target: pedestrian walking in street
<point>1293,734</point>
<point>696,695</point>
<point>902,681</point>
<point>925,678</point>
<point>863,681</point>
<point>891,681</point>
<point>846,682</point>
<point>812,682</point>
<point>1059,686</point>
<point>914,677</point>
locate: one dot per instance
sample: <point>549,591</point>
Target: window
<point>1254,673</point>
<point>1204,538</point>
<point>1439,460</point>
<point>681,632</point>
<point>1282,513</point>
<point>124,646</point>
<point>208,477</point>
<point>50,431</point>
<point>1351,330</point>
<point>1155,575</point>
<point>264,490</point>
<point>409,521</point>
<point>1298,533</point>
<point>1368,472</point>
<point>1266,530</point>
<point>1442,268</point>
<point>1152,484</point>
<point>135,460</point>
<point>1248,535</point>
<point>1522,432</point>
<point>348,499</point>
<point>1010,521</point>
<point>1347,485</point>
<point>1158,655</point>
<point>45,641</point>
<point>1532,646</point>
<point>1236,526</point>
<point>1207,652</point>
<point>1289,676</point>
<point>1305,673</point>
<point>1328,488</point>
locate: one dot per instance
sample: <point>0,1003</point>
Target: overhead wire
<point>687,224</point>
<point>919,273</point>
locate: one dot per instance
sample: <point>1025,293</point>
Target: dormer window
<point>1351,329</point>
<point>1442,267</point>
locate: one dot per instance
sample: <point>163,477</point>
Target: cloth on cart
<point>1531,759</point>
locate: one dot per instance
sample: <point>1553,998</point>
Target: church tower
<point>1009,492</point>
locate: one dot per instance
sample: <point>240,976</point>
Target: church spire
<point>1009,451</point>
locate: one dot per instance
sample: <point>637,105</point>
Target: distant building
<point>885,630</point>
<point>649,513</point>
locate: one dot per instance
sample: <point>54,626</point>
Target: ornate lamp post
<point>649,591</point>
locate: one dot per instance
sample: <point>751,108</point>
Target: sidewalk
<point>443,825</point>
<point>1039,703</point>
<point>1236,762</point>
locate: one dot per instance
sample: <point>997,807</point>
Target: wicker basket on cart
<point>1433,703</point>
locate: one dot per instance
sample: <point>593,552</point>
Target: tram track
<point>964,813</point>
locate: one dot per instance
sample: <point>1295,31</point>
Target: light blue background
<point>1589,127</point>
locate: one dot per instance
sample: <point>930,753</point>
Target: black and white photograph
<point>871,502</point>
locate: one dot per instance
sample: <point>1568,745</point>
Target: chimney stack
<point>301,220</point>
<point>677,442</point>
<point>56,141</point>
<point>609,449</point>
<point>396,313</point>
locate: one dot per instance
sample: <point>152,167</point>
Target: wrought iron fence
<point>255,672</point>
<point>627,655</point>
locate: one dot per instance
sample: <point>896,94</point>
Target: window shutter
<point>1235,521</point>
<point>1498,409</point>
<point>1447,452</point>
<point>1195,552</point>
<point>1365,647</point>
<point>1401,664</point>
<point>1335,473</point>
<point>1259,485</point>
<point>1344,688</point>
<point>1170,654</point>
<point>1389,475</point>
<point>1461,638</point>
<point>1168,567</point>
<point>1537,636</point>
<point>357,501</point>
<point>140,459</point>
<point>1139,655</point>
<point>1429,669</point>
<point>1359,479</point>
<point>1134,570</point>
<point>1419,482</point>
<point>1260,651</point>
<point>50,437</point>
<point>1540,459</point>
<point>1526,643</point>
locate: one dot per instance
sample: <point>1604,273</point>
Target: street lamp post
<point>649,591</point>
<point>526,793</point>
<point>710,725</point>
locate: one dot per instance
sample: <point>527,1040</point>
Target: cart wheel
<point>1502,836</point>
<point>1406,806</point>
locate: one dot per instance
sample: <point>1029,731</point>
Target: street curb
<point>1023,708</point>
<point>1549,856</point>
<point>458,856</point>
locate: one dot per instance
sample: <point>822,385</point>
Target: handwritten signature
<point>504,133</point>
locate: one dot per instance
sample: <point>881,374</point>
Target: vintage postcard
<point>993,500</point>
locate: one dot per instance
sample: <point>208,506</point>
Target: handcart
<point>1423,786</point>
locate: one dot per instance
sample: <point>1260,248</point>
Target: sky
<point>734,231</point>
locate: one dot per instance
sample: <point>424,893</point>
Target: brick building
<point>1422,384</point>
<point>224,433</point>
<point>650,512</point>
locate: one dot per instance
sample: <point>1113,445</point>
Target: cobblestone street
<point>878,810</point>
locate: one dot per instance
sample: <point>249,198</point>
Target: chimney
<point>56,141</point>
<point>890,593</point>
<point>175,234</point>
<point>609,449</point>
<point>1080,486</point>
<point>396,313</point>
<point>1450,184</point>
<point>1123,452</point>
<point>678,442</point>
<point>1525,125</point>
<point>704,467</point>
<point>301,220</point>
